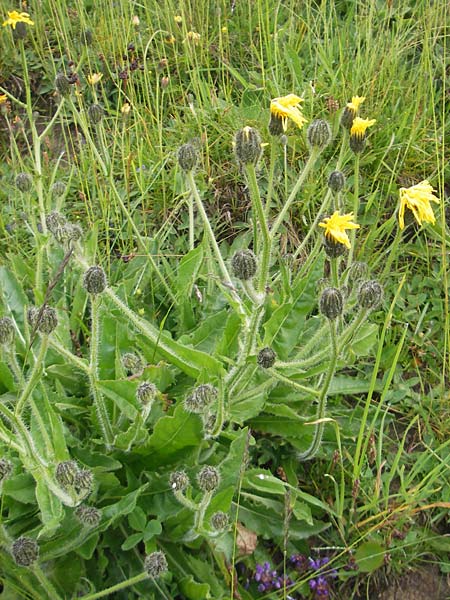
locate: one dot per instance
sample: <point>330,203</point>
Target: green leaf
<point>123,394</point>
<point>364,340</point>
<point>193,590</point>
<point>21,488</point>
<point>369,556</point>
<point>52,512</point>
<point>153,528</point>
<point>188,269</point>
<point>137,519</point>
<point>87,549</point>
<point>13,296</point>
<point>6,379</point>
<point>131,541</point>
<point>263,481</point>
<point>229,343</point>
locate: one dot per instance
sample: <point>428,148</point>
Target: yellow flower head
<point>287,107</point>
<point>3,98</point>
<point>94,78</point>
<point>178,19</point>
<point>417,198</point>
<point>125,110</point>
<point>336,225</point>
<point>193,36</point>
<point>355,103</point>
<point>15,17</point>
<point>359,127</point>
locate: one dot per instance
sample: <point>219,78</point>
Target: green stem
<point>52,594</point>
<point>200,514</point>
<point>186,502</point>
<point>273,158</point>
<point>35,373</point>
<point>191,223</point>
<point>298,386</point>
<point>312,229</point>
<point>75,360</point>
<point>14,366</point>
<point>355,211</point>
<point>116,588</point>
<point>334,271</point>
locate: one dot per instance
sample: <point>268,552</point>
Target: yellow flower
<point>15,17</point>
<point>336,225</point>
<point>417,198</point>
<point>359,127</point>
<point>178,19</point>
<point>3,98</point>
<point>94,78</point>
<point>287,107</point>
<point>125,110</point>
<point>355,103</point>
<point>193,35</point>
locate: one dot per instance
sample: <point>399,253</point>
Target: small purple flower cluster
<point>269,580</point>
<point>320,584</point>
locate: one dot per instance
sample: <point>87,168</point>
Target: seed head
<point>266,358</point>
<point>25,551</point>
<point>132,363</point>
<point>370,294</point>
<point>146,393</point>
<point>319,134</point>
<point>201,397</point>
<point>187,157</point>
<point>24,182</point>
<point>65,473</point>
<point>208,478</point>
<point>244,264</point>
<point>336,181</point>
<point>179,481</point>
<point>155,564</point>
<point>247,146</point>
<point>220,521</point>
<point>95,114</point>
<point>331,303</point>
<point>62,84</point>
<point>89,516</point>
<point>94,280</point>
<point>5,469</point>
<point>7,331</point>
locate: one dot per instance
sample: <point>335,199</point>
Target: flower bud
<point>219,521</point>
<point>7,331</point>
<point>20,32</point>
<point>347,117</point>
<point>208,478</point>
<point>146,393</point>
<point>24,182</point>
<point>48,321</point>
<point>201,397</point>
<point>319,134</point>
<point>58,189</point>
<point>89,516</point>
<point>94,280</point>
<point>65,473</point>
<point>331,303</point>
<point>155,564</point>
<point>5,469</point>
<point>179,481</point>
<point>84,481</point>
<point>357,271</point>
<point>74,232</point>
<point>370,294</point>
<point>95,114</point>
<point>244,265</point>
<point>247,146</point>
<point>357,144</point>
<point>25,551</point>
<point>132,363</point>
<point>275,125</point>
<point>336,181</point>
<point>266,358</point>
<point>55,222</point>
<point>187,157</point>
<point>62,84</point>
<point>332,248</point>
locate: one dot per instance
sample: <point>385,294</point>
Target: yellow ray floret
<point>355,103</point>
<point>287,107</point>
<point>94,78</point>
<point>15,17</point>
<point>3,98</point>
<point>360,126</point>
<point>336,225</point>
<point>417,198</point>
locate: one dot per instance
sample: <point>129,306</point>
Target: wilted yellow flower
<point>170,39</point>
<point>3,98</point>
<point>336,225</point>
<point>360,125</point>
<point>287,107</point>
<point>15,17</point>
<point>178,19</point>
<point>94,78</point>
<point>193,36</point>
<point>417,198</point>
<point>135,20</point>
<point>125,109</point>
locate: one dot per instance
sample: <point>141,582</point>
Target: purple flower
<point>269,580</point>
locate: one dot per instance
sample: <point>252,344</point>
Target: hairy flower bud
<point>220,521</point>
<point>178,481</point>
<point>155,564</point>
<point>331,303</point>
<point>62,84</point>
<point>65,473</point>
<point>84,481</point>
<point>275,125</point>
<point>370,294</point>
<point>319,134</point>
<point>244,265</point>
<point>187,157</point>
<point>58,189</point>
<point>146,393</point>
<point>266,358</point>
<point>24,182</point>
<point>5,468</point>
<point>332,248</point>
<point>247,146</point>
<point>89,516</point>
<point>25,551</point>
<point>132,363</point>
<point>48,321</point>
<point>95,114</point>
<point>336,181</point>
<point>201,397</point>
<point>55,222</point>
<point>208,478</point>
<point>357,271</point>
<point>7,331</point>
<point>94,280</point>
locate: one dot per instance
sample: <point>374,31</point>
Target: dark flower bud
<point>370,294</point>
<point>5,468</point>
<point>48,321</point>
<point>62,84</point>
<point>89,516</point>
<point>319,134</point>
<point>58,189</point>
<point>220,521</point>
<point>24,182</point>
<point>332,248</point>
<point>146,393</point>
<point>20,32</point>
<point>155,564</point>
<point>266,358</point>
<point>187,157</point>
<point>244,265</point>
<point>65,473</point>
<point>331,303</point>
<point>55,222</point>
<point>247,146</point>
<point>178,481</point>
<point>275,125</point>
<point>7,331</point>
<point>94,280</point>
<point>132,363</point>
<point>84,481</point>
<point>201,397</point>
<point>95,114</point>
<point>347,117</point>
<point>336,181</point>
<point>357,143</point>
<point>74,232</point>
<point>25,551</point>
<point>357,271</point>
<point>87,37</point>
<point>208,479</point>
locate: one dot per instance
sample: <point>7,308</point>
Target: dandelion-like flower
<point>336,225</point>
<point>417,198</point>
<point>360,126</point>
<point>193,36</point>
<point>3,98</point>
<point>15,17</point>
<point>94,78</point>
<point>351,110</point>
<point>355,103</point>
<point>285,108</point>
